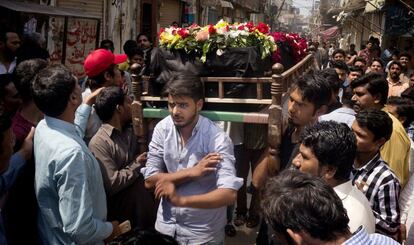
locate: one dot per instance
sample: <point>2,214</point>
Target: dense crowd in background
<point>71,169</point>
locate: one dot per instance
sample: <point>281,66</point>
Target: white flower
<point>219,52</point>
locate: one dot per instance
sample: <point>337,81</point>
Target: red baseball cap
<point>99,60</point>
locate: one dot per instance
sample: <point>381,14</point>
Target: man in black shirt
<point>308,99</point>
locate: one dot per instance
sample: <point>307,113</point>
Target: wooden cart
<point>279,81</point>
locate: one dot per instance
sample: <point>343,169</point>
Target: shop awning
<point>351,5</point>
<point>217,3</point>
<point>226,4</point>
<point>374,5</point>
<point>41,9</point>
<point>330,32</point>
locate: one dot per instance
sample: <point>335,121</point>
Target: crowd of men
<point>71,169</point>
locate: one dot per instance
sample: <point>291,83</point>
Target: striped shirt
<point>362,237</point>
<point>382,189</point>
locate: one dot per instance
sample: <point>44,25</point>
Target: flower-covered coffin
<point>224,49</point>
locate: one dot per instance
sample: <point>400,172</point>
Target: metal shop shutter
<point>92,8</point>
<point>169,12</point>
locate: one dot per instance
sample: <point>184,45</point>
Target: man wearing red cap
<point>102,71</point>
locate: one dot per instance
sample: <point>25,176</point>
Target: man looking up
<point>371,91</point>
<point>191,165</point>
<point>68,180</point>
<point>371,173</point>
<point>328,151</point>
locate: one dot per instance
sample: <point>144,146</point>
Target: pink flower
<point>202,36</point>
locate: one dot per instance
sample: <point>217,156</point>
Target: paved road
<point>245,236</point>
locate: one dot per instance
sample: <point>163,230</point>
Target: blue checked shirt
<point>68,184</point>
<point>192,225</point>
<point>361,237</point>
<point>382,189</point>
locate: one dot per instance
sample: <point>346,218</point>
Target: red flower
<point>161,31</point>
<point>183,33</point>
<point>212,30</point>
<point>250,26</point>
<point>240,28</point>
<point>263,28</point>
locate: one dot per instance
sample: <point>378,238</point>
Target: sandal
<point>253,221</point>
<point>240,220</point>
<point>230,230</point>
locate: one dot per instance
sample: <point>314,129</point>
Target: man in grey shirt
<point>191,165</point>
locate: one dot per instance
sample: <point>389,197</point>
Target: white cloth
<point>340,115</point>
<point>406,206</point>
<point>94,123</point>
<point>357,207</point>
<point>4,70</point>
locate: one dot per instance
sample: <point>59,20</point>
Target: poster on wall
<point>55,39</point>
<point>81,40</point>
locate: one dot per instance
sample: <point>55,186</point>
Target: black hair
<point>360,59</point>
<point>129,45</point>
<point>405,108</point>
<point>405,54</point>
<point>107,101</point>
<point>313,88</point>
<point>356,69</point>
<point>5,79</point>
<point>303,203</point>
<point>375,84</point>
<point>408,93</point>
<point>376,121</point>
<point>31,48</point>
<point>347,97</point>
<point>143,34</point>
<point>340,51</point>
<point>333,144</point>
<point>107,44</point>
<point>135,51</point>
<point>52,88</point>
<point>339,64</point>
<point>5,124</point>
<point>185,84</point>
<point>394,62</point>
<point>98,80</point>
<point>379,61</point>
<point>25,73</point>
<point>332,77</point>
<point>3,33</point>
